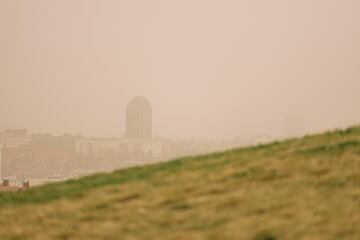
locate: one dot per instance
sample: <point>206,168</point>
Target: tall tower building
<point>139,119</point>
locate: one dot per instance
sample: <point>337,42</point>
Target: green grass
<point>306,188</point>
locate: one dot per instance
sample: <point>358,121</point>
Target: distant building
<point>35,161</point>
<point>149,148</point>
<point>97,146</point>
<point>17,161</point>
<point>139,119</point>
<point>13,138</point>
<point>10,141</point>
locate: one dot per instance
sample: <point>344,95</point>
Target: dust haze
<point>210,69</point>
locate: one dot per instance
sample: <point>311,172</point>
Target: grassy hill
<point>305,188</point>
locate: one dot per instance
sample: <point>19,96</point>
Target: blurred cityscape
<point>45,158</point>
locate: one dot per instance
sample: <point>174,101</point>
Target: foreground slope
<point>305,188</point>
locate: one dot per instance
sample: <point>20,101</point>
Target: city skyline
<point>211,70</point>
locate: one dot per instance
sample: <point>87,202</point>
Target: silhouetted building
<point>139,119</point>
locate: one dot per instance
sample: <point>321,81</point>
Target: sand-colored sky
<point>211,69</point>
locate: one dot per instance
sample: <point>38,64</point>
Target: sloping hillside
<point>305,188</point>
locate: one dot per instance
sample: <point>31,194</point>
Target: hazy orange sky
<point>211,69</point>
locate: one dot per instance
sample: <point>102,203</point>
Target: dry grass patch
<point>298,189</point>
